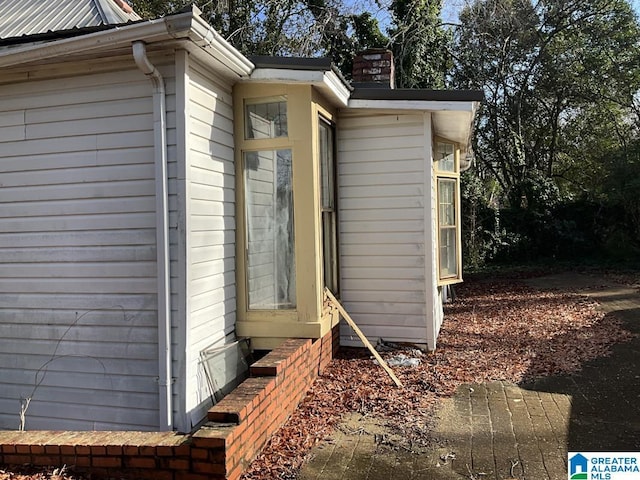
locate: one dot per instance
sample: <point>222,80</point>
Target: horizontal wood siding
<point>211,277</point>
<point>77,253</point>
<point>381,169</point>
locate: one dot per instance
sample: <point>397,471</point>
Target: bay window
<point>286,246</point>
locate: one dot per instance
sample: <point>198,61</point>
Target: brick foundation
<point>237,427</point>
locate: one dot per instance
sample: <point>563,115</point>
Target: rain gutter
<point>188,25</point>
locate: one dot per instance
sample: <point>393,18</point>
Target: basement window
<point>226,367</point>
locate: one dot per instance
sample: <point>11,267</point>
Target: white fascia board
<point>422,105</point>
<point>327,81</point>
<point>285,75</point>
<point>205,37</point>
<point>336,86</point>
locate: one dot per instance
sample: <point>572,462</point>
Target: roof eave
<point>451,119</point>
<point>327,81</point>
<point>455,125</point>
<point>220,52</point>
<point>424,105</point>
<point>415,94</point>
<point>182,26</point>
<point>117,36</point>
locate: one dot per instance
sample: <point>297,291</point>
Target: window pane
<point>266,120</point>
<point>326,165</point>
<point>448,254</point>
<point>330,260</point>
<point>445,158</point>
<point>446,193</point>
<point>271,274</point>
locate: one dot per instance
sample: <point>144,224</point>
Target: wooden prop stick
<point>366,342</point>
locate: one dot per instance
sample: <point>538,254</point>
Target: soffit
<point>454,125</point>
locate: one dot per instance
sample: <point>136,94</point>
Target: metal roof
<point>30,17</point>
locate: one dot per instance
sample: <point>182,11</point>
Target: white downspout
<point>162,233</point>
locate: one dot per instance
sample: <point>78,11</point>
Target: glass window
<point>327,165</point>
<point>266,119</point>
<point>445,157</point>
<point>271,273</point>
<point>448,192</point>
<point>328,198</point>
<point>448,228</point>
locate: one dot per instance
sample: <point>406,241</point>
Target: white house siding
<point>77,253</point>
<point>382,195</point>
<point>435,314</point>
<point>210,226</point>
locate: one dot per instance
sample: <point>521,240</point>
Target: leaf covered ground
<point>495,330</point>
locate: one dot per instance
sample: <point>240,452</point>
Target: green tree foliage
<point>543,66</point>
<point>560,78</point>
<point>420,44</point>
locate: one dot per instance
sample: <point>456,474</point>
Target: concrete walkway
<point>499,430</point>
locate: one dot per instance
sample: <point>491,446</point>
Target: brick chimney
<point>374,68</point>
